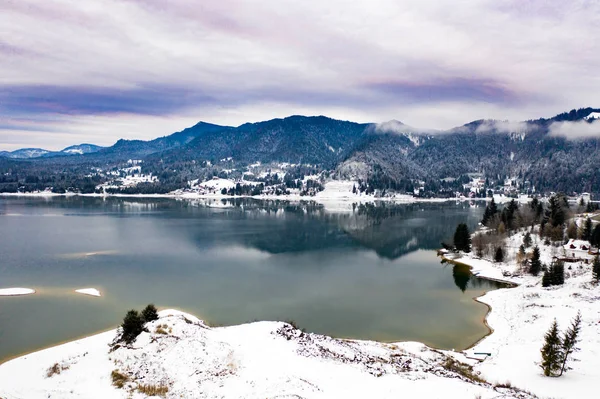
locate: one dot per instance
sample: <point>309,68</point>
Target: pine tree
<point>493,207</point>
<point>490,211</point>
<point>552,351</point>
<point>486,216</point>
<point>536,265</point>
<point>586,234</point>
<point>547,277</point>
<point>462,238</point>
<point>556,212</point>
<point>570,340</point>
<point>558,275</point>
<point>596,270</point>
<point>150,313</point>
<point>527,240</point>
<point>595,238</point>
<point>133,325</point>
<point>499,255</point>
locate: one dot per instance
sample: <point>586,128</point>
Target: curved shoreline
<point>476,299</point>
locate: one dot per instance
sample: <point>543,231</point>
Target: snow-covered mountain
<point>27,153</point>
<point>81,149</point>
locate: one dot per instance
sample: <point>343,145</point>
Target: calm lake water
<point>369,273</point>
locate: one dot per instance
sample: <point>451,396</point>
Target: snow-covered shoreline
<point>184,357</point>
<point>340,191</point>
<point>89,292</point>
<point>520,316</point>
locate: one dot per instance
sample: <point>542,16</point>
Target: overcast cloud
<point>94,71</point>
<point>576,130</point>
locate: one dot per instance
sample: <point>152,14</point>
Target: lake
<point>369,272</point>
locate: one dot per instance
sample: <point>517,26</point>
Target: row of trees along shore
<point>556,227</point>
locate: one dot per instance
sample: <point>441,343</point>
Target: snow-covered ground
<point>185,358</point>
<point>16,291</point>
<point>520,317</point>
<point>89,291</point>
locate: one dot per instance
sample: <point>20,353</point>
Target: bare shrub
<point>153,390</point>
<point>56,369</point>
<point>118,379</point>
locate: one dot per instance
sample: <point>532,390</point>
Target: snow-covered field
<point>184,358</point>
<point>521,316</point>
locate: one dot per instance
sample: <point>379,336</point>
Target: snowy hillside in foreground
<point>183,358</point>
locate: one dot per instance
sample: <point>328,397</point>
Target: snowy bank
<point>16,291</point>
<point>181,357</point>
<point>88,291</point>
<point>520,316</point>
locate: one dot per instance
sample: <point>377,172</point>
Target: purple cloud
<point>456,89</point>
<point>145,100</point>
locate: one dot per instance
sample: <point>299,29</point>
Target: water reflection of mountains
<point>391,230</point>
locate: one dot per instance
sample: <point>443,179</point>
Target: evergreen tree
<point>596,270</point>
<point>558,275</point>
<point>527,240</point>
<point>486,216</point>
<point>547,277</point>
<point>490,211</point>
<point>536,265</point>
<point>499,255</point>
<point>552,351</point>
<point>462,238</point>
<point>509,214</point>
<point>556,211</point>
<point>133,325</point>
<point>595,238</point>
<point>587,230</point>
<point>150,313</point>
<point>569,341</point>
<point>493,207</point>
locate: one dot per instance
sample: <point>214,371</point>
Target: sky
<point>75,71</point>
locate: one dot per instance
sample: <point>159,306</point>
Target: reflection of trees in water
<point>277,226</point>
<point>463,278</point>
<point>391,230</point>
<point>462,275</point>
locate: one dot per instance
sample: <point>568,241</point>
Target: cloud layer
<point>576,130</point>
<point>96,71</point>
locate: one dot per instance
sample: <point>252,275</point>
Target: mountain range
<point>557,154</point>
<point>29,153</point>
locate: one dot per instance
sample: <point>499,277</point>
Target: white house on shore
<point>576,250</point>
